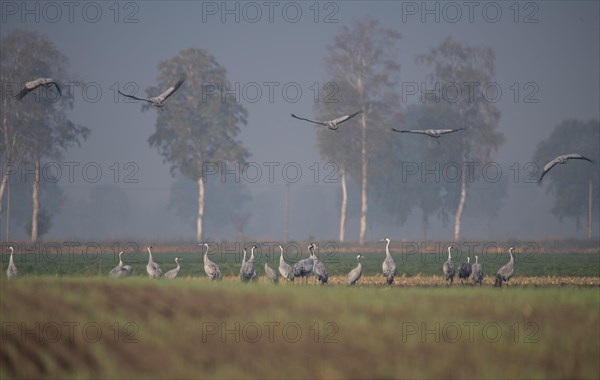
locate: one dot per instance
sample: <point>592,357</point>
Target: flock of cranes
<point>304,268</point>
<point>312,265</point>
<point>159,102</point>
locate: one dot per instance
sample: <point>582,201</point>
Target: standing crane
<point>152,268</point>
<point>305,267</point>
<point>355,273</point>
<point>211,269</point>
<point>173,272</point>
<point>285,269</point>
<point>319,268</point>
<point>11,271</point>
<point>465,270</point>
<point>448,267</point>
<point>506,271</point>
<point>121,270</point>
<point>477,272</point>
<point>389,266</point>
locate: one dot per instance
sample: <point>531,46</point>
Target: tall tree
<point>363,58</point>
<point>44,129</point>
<point>462,74</point>
<point>571,184</point>
<point>198,129</point>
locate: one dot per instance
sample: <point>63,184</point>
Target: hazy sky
<point>548,50</point>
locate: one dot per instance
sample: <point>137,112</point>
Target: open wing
<point>309,120</point>
<point>134,97</point>
<point>410,131</point>
<point>344,118</point>
<point>162,97</point>
<point>446,131</point>
<point>576,156</point>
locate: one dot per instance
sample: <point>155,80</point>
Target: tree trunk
<point>461,206</point>
<point>363,187</point>
<point>3,186</point>
<point>344,206</point>
<point>36,202</point>
<point>200,210</point>
<point>424,224</point>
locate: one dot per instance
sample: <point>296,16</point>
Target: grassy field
<point>64,318</point>
<point>78,327</point>
<point>100,262</point>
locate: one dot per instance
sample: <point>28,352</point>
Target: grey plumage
<point>304,267</point>
<point>465,270</point>
<point>330,124</point>
<point>11,271</point>
<point>477,272</point>
<point>247,272</point>
<point>32,85</point>
<point>435,133</point>
<point>389,266</point>
<point>173,272</point>
<point>152,268</point>
<point>285,269</point>
<point>355,273</point>
<point>121,270</point>
<point>211,269</point>
<point>271,274</point>
<point>448,268</point>
<point>505,273</point>
<point>158,101</point>
<point>319,268</point>
<point>561,160</point>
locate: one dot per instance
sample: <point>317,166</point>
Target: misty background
<point>138,198</point>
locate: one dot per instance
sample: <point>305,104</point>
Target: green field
<point>48,262</point>
<point>191,328</point>
<point>64,318</point>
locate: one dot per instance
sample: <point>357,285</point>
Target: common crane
<point>355,273</point>
<point>248,273</point>
<point>152,268</point>
<point>448,267</point>
<point>304,267</point>
<point>173,272</point>
<point>389,266</point>
<point>562,160</point>
<point>158,101</point>
<point>11,271</point>
<point>507,270</point>
<point>121,270</point>
<point>211,269</point>
<point>330,124</point>
<point>319,268</point>
<point>477,272</point>
<point>271,274</point>
<point>465,270</point>
<point>32,85</point>
<point>285,269</point>
<point>435,133</point>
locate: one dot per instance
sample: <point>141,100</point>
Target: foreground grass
<point>190,328</point>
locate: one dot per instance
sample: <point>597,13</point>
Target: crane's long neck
<point>177,261</point>
<point>387,249</point>
<point>11,261</point>
<point>120,260</point>
<point>449,253</point>
<point>149,255</point>
<point>281,259</point>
